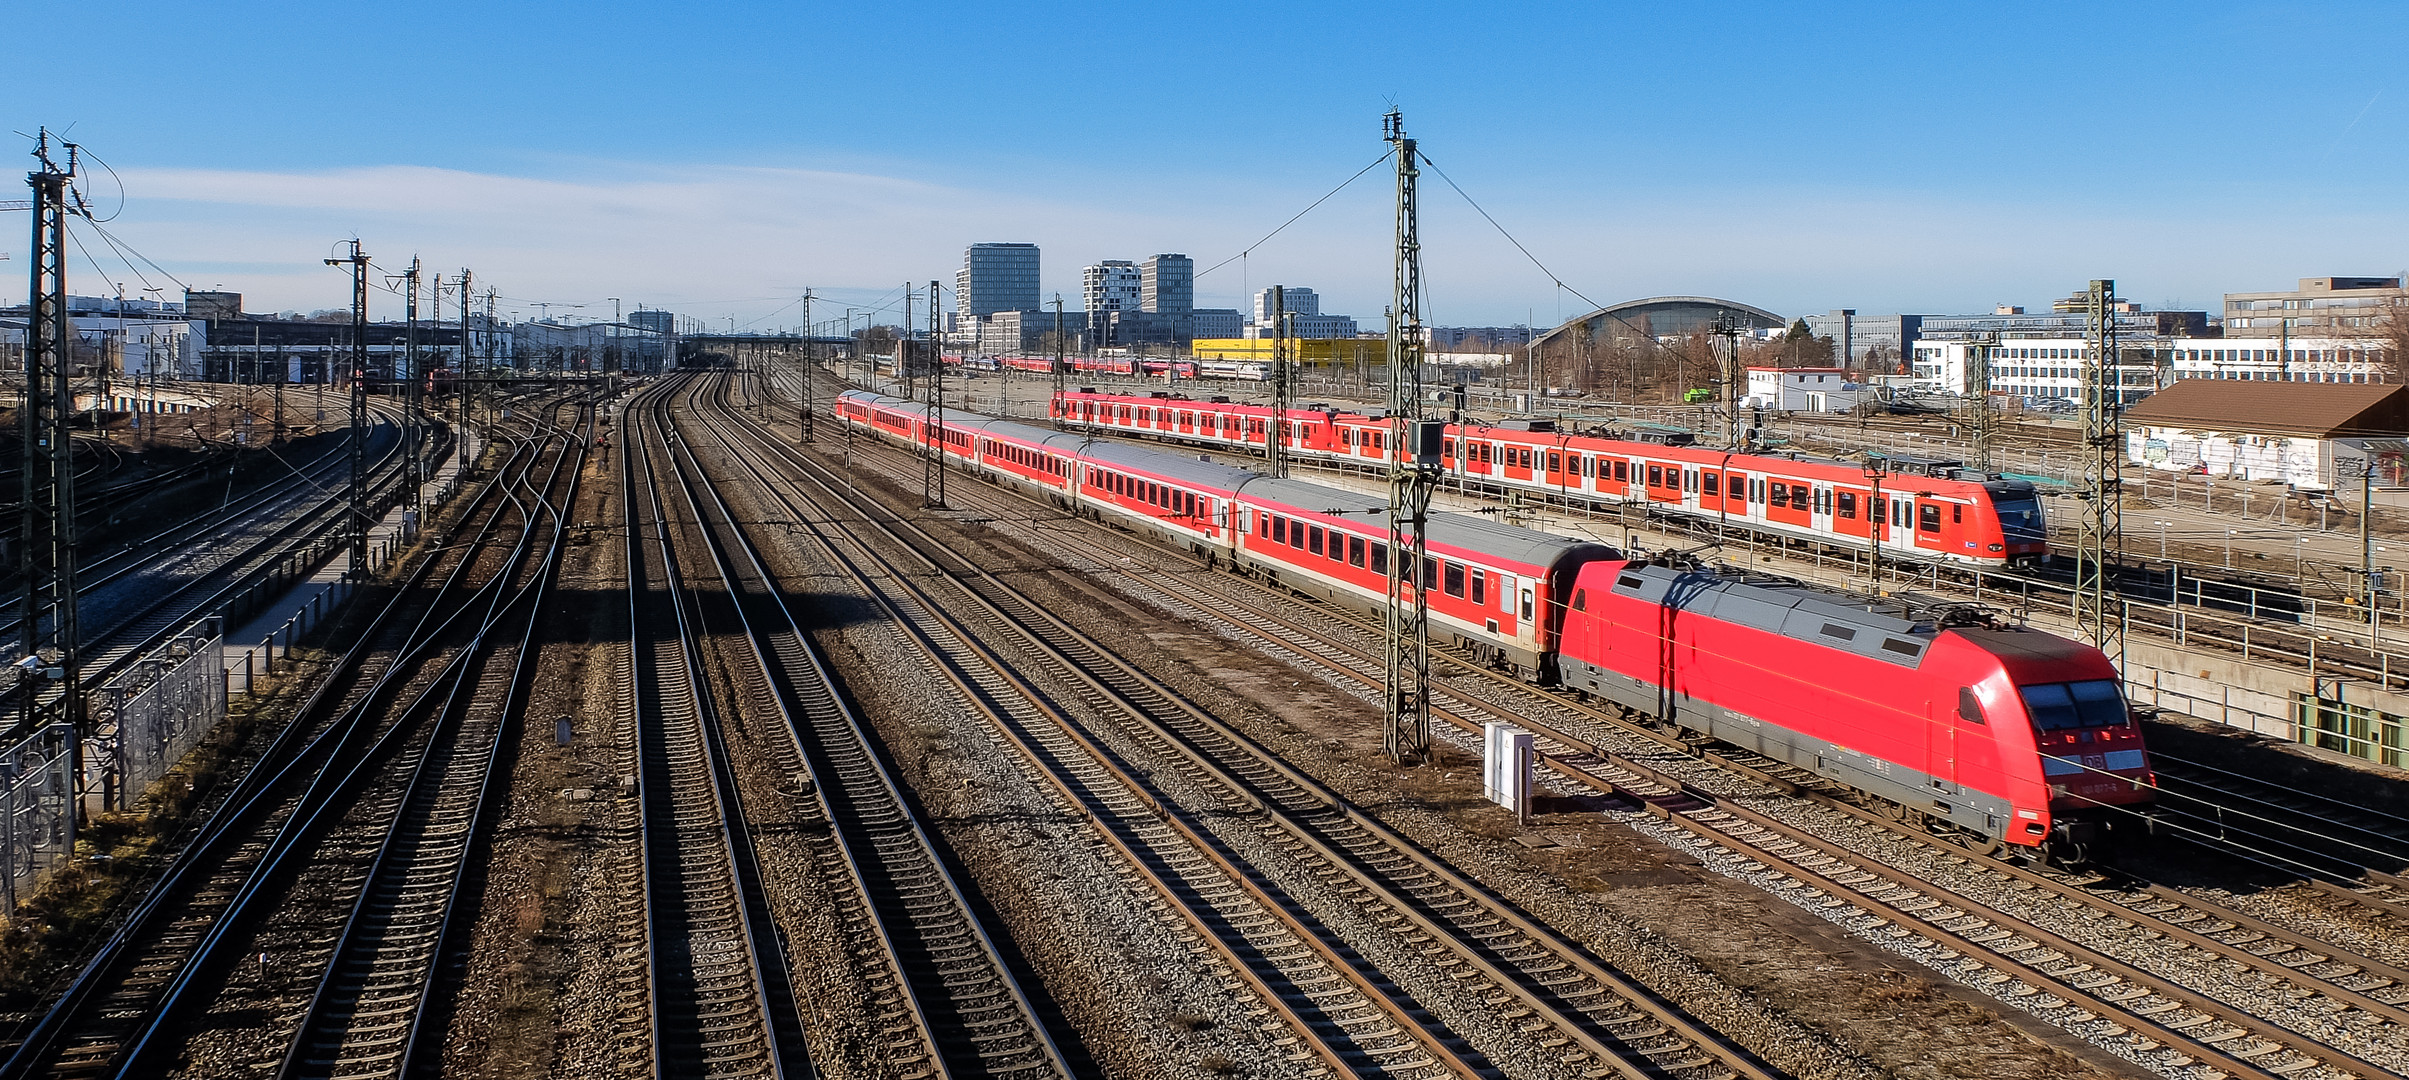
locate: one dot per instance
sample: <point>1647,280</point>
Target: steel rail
<point>386,720</point>
<point>310,745</point>
<point>710,1013</point>
<point>953,980</point>
<point>387,961</point>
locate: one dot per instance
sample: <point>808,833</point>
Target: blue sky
<point>717,159</point>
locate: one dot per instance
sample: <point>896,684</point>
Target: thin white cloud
<point>701,240</point>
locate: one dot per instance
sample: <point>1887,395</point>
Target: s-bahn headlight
<point>1999,547</point>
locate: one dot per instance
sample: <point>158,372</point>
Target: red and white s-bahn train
<point>2005,734</point>
<point>1089,365</point>
<point>1956,518</point>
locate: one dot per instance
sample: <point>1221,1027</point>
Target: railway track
<point>382,982</point>
<point>721,1000</point>
<point>123,1012</point>
<point>949,1003</point>
<point>133,600</point>
<point>1564,1002</point>
<point>1813,871</point>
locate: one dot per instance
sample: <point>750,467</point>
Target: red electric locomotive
<point>2011,735</point>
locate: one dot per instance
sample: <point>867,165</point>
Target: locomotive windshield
<point>2020,518</point>
<point>2066,706</point>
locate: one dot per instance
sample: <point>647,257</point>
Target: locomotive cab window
<point>1969,707</point>
<point>2093,703</point>
<point>1580,599</point>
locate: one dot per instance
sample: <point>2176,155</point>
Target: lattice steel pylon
<point>1275,430</point>
<point>932,466</point>
<point>803,432</point>
<point>1978,392</point>
<point>48,510</point>
<point>1061,368</point>
<point>2098,612</point>
<point>358,530</point>
<point>1406,733</point>
<point>1727,354</point>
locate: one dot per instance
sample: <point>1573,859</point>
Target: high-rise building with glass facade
<point>996,277</point>
<point>1167,284</point>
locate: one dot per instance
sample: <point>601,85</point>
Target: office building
<point>1857,339</point>
<point>1305,316</point>
<point>1294,299</point>
<point>1216,323</point>
<point>2037,369</point>
<point>996,277</point>
<point>2011,323</point>
<point>1008,333</point>
<point>1447,339</point>
<point>2320,307</point>
<point>2294,359</point>
<point>1167,284</point>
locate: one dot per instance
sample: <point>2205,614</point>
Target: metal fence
<point>151,715</point>
<point>37,809</point>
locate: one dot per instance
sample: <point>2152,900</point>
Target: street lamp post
<point>1877,515</point>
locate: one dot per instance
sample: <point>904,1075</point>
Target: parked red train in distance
<point>1926,511</point>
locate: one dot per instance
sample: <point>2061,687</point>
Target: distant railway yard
<point>760,719</point>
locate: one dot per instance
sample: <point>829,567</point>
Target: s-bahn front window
<point>2094,703</point>
<point>2020,519</point>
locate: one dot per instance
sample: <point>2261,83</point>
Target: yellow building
<point>1348,352</point>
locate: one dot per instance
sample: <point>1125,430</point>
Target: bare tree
<point>2392,335</point>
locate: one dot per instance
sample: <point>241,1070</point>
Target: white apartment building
<point>1111,285</point>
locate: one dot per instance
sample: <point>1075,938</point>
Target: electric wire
<point>1559,282</point>
<point>1250,248</point>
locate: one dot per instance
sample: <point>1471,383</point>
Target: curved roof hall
<point>1665,316</point>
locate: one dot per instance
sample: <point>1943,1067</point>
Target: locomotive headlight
<point>1999,547</point>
